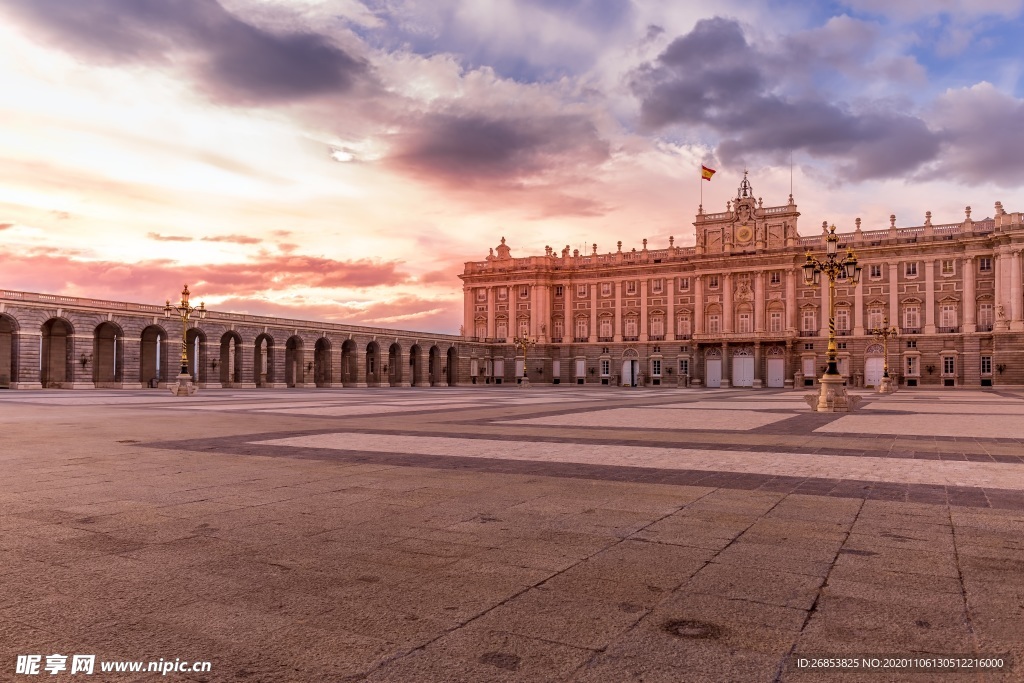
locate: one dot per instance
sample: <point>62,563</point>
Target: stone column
<point>858,309</point>
<point>468,324</point>
<point>1016,323</point>
<point>568,322</point>
<point>823,292</point>
<point>279,355</point>
<point>758,381</point>
<point>929,295</point>
<point>970,304</point>
<point>131,370</point>
<point>593,311</point>
<point>248,378</point>
<point>698,305</point>
<point>1002,322</point>
<point>758,304</point>
<point>618,311</point>
<point>791,304</point>
<point>726,366</point>
<point>535,312</point>
<point>894,295</point>
<point>642,332</point>
<point>490,312</point>
<point>727,307</point>
<point>26,345</point>
<point>670,309</point>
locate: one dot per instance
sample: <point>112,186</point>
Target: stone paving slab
<point>445,542</point>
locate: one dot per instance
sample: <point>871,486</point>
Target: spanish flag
<point>706,173</point>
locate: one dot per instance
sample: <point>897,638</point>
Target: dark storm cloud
<point>233,60</point>
<point>466,148</point>
<point>713,77</point>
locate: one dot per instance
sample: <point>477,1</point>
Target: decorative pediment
<point>910,300</point>
<point>984,297</point>
<point>808,305</point>
<point>876,303</point>
<point>843,303</point>
<point>949,299</point>
<point>657,311</point>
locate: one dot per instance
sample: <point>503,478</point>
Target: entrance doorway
<point>713,372</point>
<point>630,371</point>
<point>776,372</point>
<point>742,371</point>
<point>873,369</point>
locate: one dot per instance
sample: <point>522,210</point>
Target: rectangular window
<point>581,291</point>
<point>606,289</point>
<point>986,365</point>
<point>502,293</point>
<point>631,287</point>
<point>657,326</point>
<point>481,295</point>
<point>947,267</point>
<point>658,286</point>
<point>810,319</point>
<point>683,327</point>
<point>712,282</point>
<point>582,328</point>
<point>947,316</point>
<point>875,318</point>
<point>985,264</point>
<point>655,367</point>
<point>606,328</point>
<point>501,329</point>
<point>684,284</point>
<point>524,292</point>
<point>985,318</point>
<point>912,344</point>
<point>606,367</point>
<point>743,323</point>
<point>949,365</point>
<point>524,327</point>
<point>558,290</point>
<point>775,277</point>
<point>631,327</point>
<point>843,319</point>
<point>557,329</point>
<point>875,271</point>
<point>775,321</point>
<point>912,365</point>
<point>714,324</point>
<point>684,366</point>
<point>910,269</point>
<point>911,317</point>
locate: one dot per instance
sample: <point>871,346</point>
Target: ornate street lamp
<point>883,334</point>
<point>833,396</point>
<point>523,343</point>
<point>183,310</point>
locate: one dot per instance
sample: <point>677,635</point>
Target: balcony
<point>556,340</point>
<point>808,333</point>
<point>682,337</point>
<point>984,327</point>
<point>911,330</point>
<point>843,333</point>
<point>631,339</point>
<point>657,337</point>
<point>581,340</point>
<point>604,339</point>
<point>949,330</point>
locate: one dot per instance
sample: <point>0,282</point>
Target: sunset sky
<point>341,159</point>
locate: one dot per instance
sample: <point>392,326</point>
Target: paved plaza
<point>505,534</point>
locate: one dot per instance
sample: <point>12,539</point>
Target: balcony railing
<point>808,333</point>
<point>556,340</point>
<point>630,339</point>
<point>682,337</point>
<point>581,340</point>
<point>657,337</point>
<point>911,330</point>
<point>843,333</point>
<point>984,327</point>
<point>949,330</point>
<point>604,339</point>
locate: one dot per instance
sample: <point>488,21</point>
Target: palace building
<point>733,310</point>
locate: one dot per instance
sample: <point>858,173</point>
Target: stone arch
<point>195,349</point>
<point>743,351</point>
<point>294,357</point>
<point>416,366</point>
<point>373,364</point>
<point>713,352</point>
<point>434,365</point>
<point>395,364</point>
<point>349,363</point>
<point>263,360</point>
<point>453,366</point>
<point>874,350</point>
<point>322,365</point>
<point>57,365</point>
<point>154,356</point>
<point>776,351</point>
<point>630,353</point>
<point>107,354</point>
<point>8,351</point>
<point>230,359</point>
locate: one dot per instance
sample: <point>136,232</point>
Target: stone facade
<point>49,341</point>
<point>733,310</point>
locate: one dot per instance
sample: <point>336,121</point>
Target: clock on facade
<point>744,233</point>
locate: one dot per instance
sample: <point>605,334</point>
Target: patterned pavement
<point>506,534</point>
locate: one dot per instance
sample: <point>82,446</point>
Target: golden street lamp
<point>523,343</point>
<point>883,334</point>
<point>833,397</point>
<point>184,310</point>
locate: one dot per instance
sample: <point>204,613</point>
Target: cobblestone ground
<point>498,534</point>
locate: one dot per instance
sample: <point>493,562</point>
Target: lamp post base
<point>184,386</point>
<point>885,386</point>
<point>524,383</point>
<point>832,398</point>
